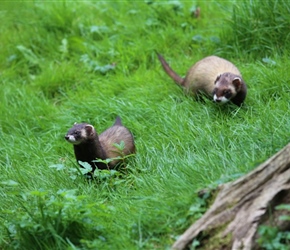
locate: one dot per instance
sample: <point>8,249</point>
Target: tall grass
<point>260,29</point>
<point>66,62</point>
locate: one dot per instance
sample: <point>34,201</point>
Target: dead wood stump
<point>242,205</point>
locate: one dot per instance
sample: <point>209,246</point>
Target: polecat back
<point>213,76</point>
<point>115,135</point>
<point>89,146</point>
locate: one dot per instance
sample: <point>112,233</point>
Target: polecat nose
<point>66,137</point>
<point>218,100</point>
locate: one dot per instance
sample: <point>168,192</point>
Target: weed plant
<point>270,238</point>
<point>64,62</point>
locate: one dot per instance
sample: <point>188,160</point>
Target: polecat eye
<point>227,92</point>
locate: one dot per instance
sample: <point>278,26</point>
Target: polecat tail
<point>170,71</point>
<point>118,121</point>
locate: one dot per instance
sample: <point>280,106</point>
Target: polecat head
<point>227,85</point>
<point>79,133</point>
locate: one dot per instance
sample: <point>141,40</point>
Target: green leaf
<point>9,183</point>
<point>58,167</point>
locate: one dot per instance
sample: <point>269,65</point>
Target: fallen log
<point>241,206</point>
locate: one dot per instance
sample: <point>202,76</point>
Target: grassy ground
<point>64,62</point>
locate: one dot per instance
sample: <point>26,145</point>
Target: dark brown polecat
<point>213,76</point>
<point>89,146</point>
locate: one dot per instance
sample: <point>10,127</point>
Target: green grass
<point>67,62</point>
<point>258,29</point>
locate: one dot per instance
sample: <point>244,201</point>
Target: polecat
<point>213,76</point>
<point>88,146</point>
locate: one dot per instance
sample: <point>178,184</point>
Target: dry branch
<point>242,205</point>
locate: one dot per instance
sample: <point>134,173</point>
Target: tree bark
<point>243,205</point>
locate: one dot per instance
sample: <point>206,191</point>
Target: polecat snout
<point>88,146</point>
<point>213,76</point>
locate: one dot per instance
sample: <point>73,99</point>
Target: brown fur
<point>88,146</point>
<point>211,75</point>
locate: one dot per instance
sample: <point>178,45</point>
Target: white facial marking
<point>221,99</point>
<point>72,140</point>
<point>83,133</point>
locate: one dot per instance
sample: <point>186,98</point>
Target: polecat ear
<point>89,129</point>
<point>218,77</point>
<point>237,82</point>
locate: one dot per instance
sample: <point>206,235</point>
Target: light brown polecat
<point>89,146</point>
<point>213,76</point>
